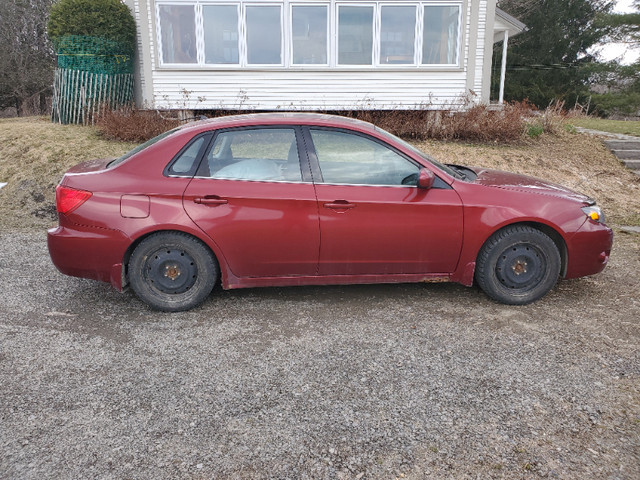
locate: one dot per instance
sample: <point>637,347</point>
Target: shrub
<point>535,130</point>
<point>480,123</point>
<point>110,19</point>
<point>131,125</point>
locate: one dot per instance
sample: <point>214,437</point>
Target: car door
<point>373,218</point>
<point>254,200</point>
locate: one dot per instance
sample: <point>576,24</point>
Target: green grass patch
<point>612,126</point>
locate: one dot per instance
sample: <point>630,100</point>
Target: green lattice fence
<point>93,74</point>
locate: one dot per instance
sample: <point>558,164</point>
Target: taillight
<point>68,199</point>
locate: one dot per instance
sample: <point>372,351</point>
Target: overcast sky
<point>619,50</point>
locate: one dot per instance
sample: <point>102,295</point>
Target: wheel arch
<point>549,231</point>
<point>129,251</point>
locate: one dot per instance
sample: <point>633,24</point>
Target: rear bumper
<point>89,252</point>
<point>589,250</point>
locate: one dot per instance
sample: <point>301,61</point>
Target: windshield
<point>139,148</point>
<point>421,154</point>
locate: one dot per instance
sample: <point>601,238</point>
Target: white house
<point>316,54</point>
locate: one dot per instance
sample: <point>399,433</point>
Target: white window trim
<point>286,36</point>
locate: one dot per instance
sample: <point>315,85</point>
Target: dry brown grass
<point>34,153</point>
<point>576,161</point>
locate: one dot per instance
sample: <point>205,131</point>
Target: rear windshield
<point>139,148</point>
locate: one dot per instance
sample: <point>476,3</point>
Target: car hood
<point>513,181</point>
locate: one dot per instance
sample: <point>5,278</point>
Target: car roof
<point>277,119</point>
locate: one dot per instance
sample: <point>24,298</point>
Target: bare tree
<point>27,59</point>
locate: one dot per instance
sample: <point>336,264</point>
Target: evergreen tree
<point>547,62</point>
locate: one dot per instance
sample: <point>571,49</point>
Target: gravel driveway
<point>408,381</point>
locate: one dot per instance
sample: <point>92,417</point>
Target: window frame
<point>459,39</point>
<point>315,163</point>
<point>327,7</point>
<point>239,32</point>
<point>303,159</point>
<point>199,36</point>
<point>374,34</point>
<point>195,167</point>
<point>244,60</point>
<point>286,35</point>
<point>417,34</point>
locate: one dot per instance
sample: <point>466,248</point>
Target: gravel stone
<point>354,382</point>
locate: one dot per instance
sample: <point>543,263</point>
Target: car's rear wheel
<point>172,271</point>
<point>518,265</point>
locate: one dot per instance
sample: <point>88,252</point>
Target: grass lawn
<point>34,154</point>
<point>611,126</point>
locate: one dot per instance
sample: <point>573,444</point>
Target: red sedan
<point>305,199</point>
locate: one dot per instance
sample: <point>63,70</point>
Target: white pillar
<point>503,70</point>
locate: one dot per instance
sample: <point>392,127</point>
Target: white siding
<point>317,89</point>
<point>291,90</point>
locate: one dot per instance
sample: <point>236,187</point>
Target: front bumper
<point>589,250</point>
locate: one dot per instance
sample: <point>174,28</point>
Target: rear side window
<point>185,162</point>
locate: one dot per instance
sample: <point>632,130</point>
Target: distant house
<point>316,54</point>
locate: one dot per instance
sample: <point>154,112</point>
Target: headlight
<point>594,213</point>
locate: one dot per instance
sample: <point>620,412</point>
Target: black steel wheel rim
<point>521,267</point>
<point>171,270</point>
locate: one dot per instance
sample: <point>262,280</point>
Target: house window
<point>309,35</point>
<point>264,35</point>
<point>178,33</point>
<point>315,34</point>
<point>355,35</point>
<point>440,35</point>
<point>221,34</point>
<point>397,35</point>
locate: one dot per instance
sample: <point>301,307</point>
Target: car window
<point>346,158</point>
<point>185,161</point>
<point>261,154</point>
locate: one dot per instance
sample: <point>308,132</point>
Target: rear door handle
<point>212,200</point>
<point>340,205</point>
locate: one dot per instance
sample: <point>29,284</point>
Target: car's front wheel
<point>518,265</point>
<point>172,271</point>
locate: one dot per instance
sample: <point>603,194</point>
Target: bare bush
<point>480,123</point>
<point>131,125</point>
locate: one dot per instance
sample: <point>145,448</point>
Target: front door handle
<point>340,205</point>
<point>212,200</point>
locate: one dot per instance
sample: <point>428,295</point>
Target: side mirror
<point>426,179</point>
